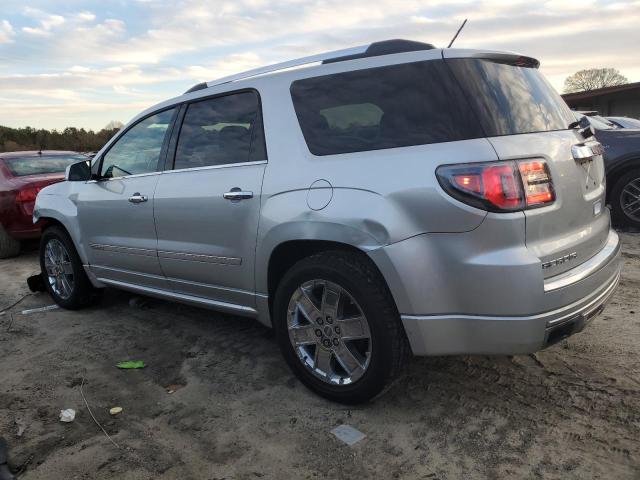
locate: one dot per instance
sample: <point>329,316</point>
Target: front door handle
<point>237,194</point>
<point>137,198</point>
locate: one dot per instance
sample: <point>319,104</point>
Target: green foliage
<point>131,364</point>
<point>71,138</point>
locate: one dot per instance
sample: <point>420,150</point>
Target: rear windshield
<point>22,166</point>
<point>386,107</point>
<point>510,100</point>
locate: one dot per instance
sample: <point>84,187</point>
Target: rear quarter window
<point>510,99</point>
<point>386,107</point>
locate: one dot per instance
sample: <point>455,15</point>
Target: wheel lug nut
<point>318,332</point>
<point>337,330</point>
<point>335,341</point>
<point>326,342</point>
<point>329,319</point>
<point>320,321</point>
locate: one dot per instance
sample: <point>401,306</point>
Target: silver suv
<point>366,204</point>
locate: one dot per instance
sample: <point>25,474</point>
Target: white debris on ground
<point>348,434</point>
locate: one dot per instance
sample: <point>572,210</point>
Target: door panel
<point>121,235</point>
<point>116,212</point>
<point>206,243</point>
<point>207,209</point>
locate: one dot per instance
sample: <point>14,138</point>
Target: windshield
<point>41,164</point>
<point>599,125</point>
<point>604,120</point>
<point>625,122</point>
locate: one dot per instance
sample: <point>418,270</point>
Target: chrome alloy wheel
<point>59,269</point>
<point>329,332</point>
<point>630,199</point>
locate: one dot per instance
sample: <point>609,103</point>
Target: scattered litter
<point>8,307</point>
<point>22,426</point>
<point>173,388</point>
<point>348,434</point>
<point>115,410</point>
<point>131,364</point>
<point>93,416</point>
<point>68,415</point>
<point>41,309</point>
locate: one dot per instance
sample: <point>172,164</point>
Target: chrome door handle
<point>137,198</point>
<point>237,194</point>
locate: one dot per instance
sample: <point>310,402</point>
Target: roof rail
<point>386,47</point>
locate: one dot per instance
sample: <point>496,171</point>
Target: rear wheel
<point>9,247</point>
<point>625,199</point>
<point>62,270</point>
<point>338,327</point>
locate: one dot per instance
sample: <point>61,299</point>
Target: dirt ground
<point>569,412</point>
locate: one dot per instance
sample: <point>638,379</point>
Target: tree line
<point>71,138</point>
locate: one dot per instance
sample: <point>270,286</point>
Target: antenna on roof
<point>457,33</point>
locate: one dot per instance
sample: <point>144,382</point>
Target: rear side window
<point>220,131</point>
<point>386,107</point>
<point>509,99</point>
<point>41,164</point>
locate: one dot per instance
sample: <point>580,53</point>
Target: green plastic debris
<point>131,364</point>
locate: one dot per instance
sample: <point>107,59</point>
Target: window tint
<point>138,150</point>
<point>220,131</point>
<point>393,106</point>
<point>510,99</point>
<point>41,164</point>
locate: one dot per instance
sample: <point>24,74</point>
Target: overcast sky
<point>85,62</point>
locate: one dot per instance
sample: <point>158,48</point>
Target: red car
<point>22,176</point>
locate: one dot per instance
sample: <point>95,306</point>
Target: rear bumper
<point>457,296</point>
<point>463,334</point>
<point>21,227</point>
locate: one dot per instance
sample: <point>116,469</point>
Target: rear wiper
<point>586,130</point>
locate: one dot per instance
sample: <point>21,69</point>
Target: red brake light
<point>499,186</point>
<point>28,194</point>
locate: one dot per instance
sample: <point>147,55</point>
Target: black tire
<point>82,292</point>
<point>620,217</point>
<point>389,347</point>
<point>9,247</point>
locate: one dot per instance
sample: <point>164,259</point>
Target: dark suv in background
<point>622,167</point>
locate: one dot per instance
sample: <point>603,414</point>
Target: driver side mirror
<point>79,172</point>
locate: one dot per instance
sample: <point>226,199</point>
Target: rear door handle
<point>137,198</point>
<point>237,194</point>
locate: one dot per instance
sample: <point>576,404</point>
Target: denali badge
<point>559,261</point>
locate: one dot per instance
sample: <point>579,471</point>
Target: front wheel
<point>625,199</point>
<point>62,270</point>
<point>338,327</point>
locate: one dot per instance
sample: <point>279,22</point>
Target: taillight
<point>26,198</point>
<point>536,180</point>
<point>499,186</point>
<point>28,194</point>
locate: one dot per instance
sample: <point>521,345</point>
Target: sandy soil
<point>569,412</point>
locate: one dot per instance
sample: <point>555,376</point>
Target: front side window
<point>220,131</point>
<point>385,107</point>
<point>138,149</point>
